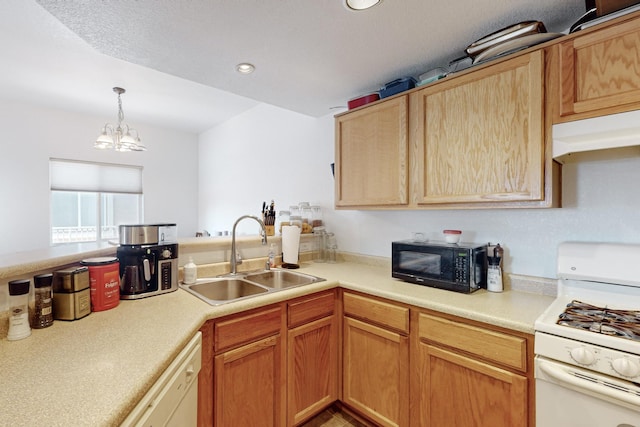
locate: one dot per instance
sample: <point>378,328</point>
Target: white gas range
<point>587,343</point>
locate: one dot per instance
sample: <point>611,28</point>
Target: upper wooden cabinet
<point>480,137</point>
<point>476,140</point>
<point>600,72</point>
<point>371,156</point>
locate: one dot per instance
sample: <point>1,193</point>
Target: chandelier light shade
<point>119,138</point>
<point>360,4</point>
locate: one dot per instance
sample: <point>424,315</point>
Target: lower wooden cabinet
<point>312,356</point>
<point>273,366</point>
<point>376,360</point>
<point>466,374</point>
<point>397,365</point>
<point>456,390</point>
<point>247,385</point>
<point>248,369</point>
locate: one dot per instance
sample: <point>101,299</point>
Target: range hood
<point>599,133</point>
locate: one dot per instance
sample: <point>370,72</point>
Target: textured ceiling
<point>310,55</point>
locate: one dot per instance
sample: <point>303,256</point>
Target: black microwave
<point>459,267</point>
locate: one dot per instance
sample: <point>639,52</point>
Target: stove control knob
<point>625,367</point>
<point>583,356</point>
<point>166,253</point>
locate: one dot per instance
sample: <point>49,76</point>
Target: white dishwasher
<point>173,400</point>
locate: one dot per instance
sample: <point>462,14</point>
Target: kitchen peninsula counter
<point>93,371</point>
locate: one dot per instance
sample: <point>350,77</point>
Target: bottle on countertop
<point>272,255</point>
<point>19,309</point>
<point>494,271</point>
<point>190,272</point>
<point>43,291</point>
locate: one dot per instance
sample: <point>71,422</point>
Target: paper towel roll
<point>290,244</point>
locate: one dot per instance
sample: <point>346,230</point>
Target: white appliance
<point>598,133</point>
<point>587,343</point>
<point>173,400</point>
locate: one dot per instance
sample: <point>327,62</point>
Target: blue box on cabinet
<point>397,86</point>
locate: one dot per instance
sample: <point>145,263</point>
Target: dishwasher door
<point>568,396</point>
<point>173,399</point>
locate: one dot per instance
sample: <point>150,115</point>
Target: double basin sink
<point>221,290</point>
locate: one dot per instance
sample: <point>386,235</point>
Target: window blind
<point>75,175</point>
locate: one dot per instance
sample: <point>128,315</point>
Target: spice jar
<point>305,214</point>
<point>316,217</point>
<point>43,290</point>
<point>19,309</point>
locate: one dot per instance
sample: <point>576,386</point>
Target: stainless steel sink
<point>281,279</point>
<point>222,290</point>
<point>225,289</point>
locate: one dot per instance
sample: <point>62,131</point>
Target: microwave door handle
<point>562,376</point>
<point>146,267</point>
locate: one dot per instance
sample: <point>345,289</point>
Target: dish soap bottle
<point>190,272</point>
<point>272,255</point>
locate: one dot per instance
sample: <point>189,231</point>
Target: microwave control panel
<point>461,267</point>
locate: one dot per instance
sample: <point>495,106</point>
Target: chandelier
<point>119,137</point>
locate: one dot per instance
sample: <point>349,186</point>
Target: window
<point>90,200</point>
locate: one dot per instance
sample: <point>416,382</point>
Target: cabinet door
<point>458,391</point>
<point>247,385</point>
<point>311,369</point>
<point>371,155</point>
<point>376,373</point>
<point>599,72</point>
<point>480,137</point>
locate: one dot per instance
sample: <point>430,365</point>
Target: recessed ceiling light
<point>245,68</point>
<point>360,4</point>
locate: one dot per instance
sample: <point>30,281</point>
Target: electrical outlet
<point>306,247</point>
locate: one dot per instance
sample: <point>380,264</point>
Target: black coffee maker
<point>148,255</point>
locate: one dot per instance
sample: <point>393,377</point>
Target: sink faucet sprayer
<point>233,239</point>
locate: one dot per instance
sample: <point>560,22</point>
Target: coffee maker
<point>148,255</point>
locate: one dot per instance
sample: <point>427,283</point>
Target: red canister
<point>104,277</point>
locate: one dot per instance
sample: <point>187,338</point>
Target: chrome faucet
<point>234,260</point>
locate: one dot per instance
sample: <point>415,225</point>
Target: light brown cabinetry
<point>600,72</point>
<point>205,377</point>
<point>376,359</point>
<point>469,375</point>
<point>371,156</point>
<point>480,137</point>
<point>312,356</point>
<point>248,366</point>
<point>476,140</point>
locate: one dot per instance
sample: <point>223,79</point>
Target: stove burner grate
<point>602,320</point>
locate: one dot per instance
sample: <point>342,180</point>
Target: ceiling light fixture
<point>245,68</point>
<point>119,138</point>
<point>360,4</point>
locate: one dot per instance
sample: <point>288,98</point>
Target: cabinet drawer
<point>495,346</point>
<point>239,330</point>
<point>310,308</point>
<point>380,312</point>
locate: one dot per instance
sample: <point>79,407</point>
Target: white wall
<point>31,135</point>
<point>265,154</point>
<point>272,153</point>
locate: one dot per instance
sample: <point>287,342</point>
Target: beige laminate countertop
<point>92,372</point>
